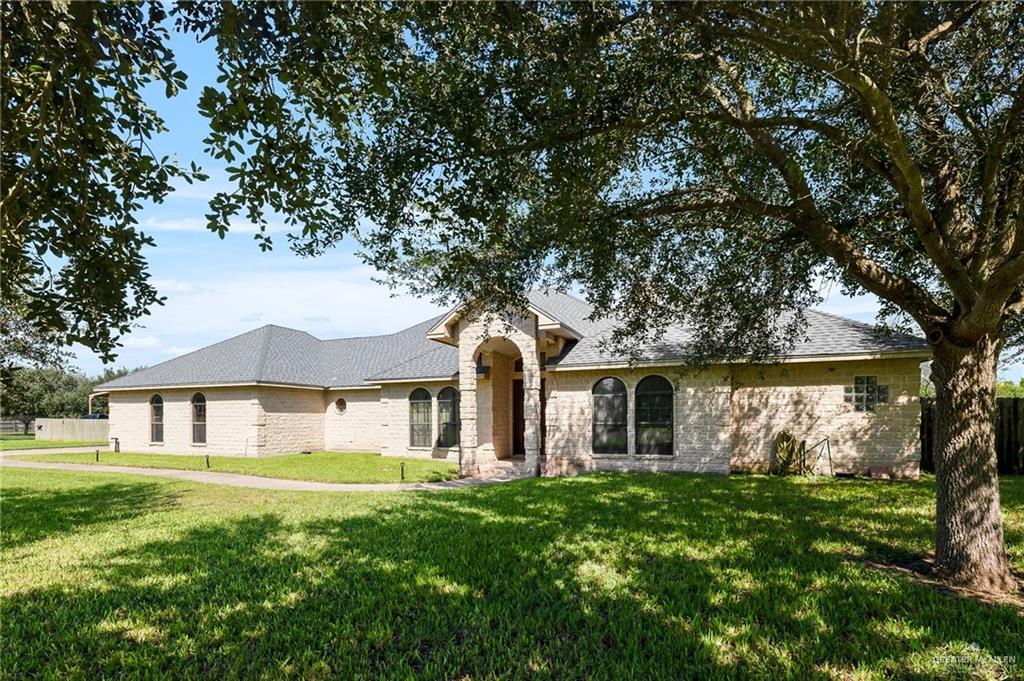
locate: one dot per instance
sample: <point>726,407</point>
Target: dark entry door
<point>518,422</point>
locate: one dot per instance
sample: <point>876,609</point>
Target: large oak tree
<point>76,167</point>
<point>707,164</point>
<point>703,163</point>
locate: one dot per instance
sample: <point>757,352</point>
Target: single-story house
<point>540,393</point>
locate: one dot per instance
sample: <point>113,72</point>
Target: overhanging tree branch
<point>801,47</point>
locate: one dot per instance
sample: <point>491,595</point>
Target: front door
<point>518,421</point>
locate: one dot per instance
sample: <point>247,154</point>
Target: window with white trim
<point>419,418</point>
<point>199,419</point>
<point>156,419</point>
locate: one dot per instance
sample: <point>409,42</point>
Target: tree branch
<point>800,46</point>
<point>943,30</point>
<point>917,301</point>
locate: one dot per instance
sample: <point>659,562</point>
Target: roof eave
<point>231,384</point>
<point>414,379</point>
<point>922,353</point>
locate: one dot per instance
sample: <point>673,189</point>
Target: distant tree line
<point>52,392</point>
<point>1004,388</point>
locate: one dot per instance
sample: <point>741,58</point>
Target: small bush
<point>787,454</point>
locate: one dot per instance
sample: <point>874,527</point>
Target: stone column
<point>467,408</point>
<point>531,406</point>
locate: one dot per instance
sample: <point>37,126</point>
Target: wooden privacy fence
<point>15,427</point>
<point>92,430</point>
<point>1009,435</point>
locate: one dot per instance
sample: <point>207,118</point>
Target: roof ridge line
<point>191,352</point>
<point>261,359</point>
<point>385,335</point>
<point>858,322</point>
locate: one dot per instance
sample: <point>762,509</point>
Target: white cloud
<point>142,342</point>
<point>336,302</point>
<point>192,224</point>
<point>176,350</point>
<point>165,286</point>
<point>175,224</point>
<point>863,308</point>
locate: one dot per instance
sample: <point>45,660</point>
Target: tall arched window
<point>448,416</point>
<point>609,435</point>
<point>419,418</point>
<point>199,418</point>
<point>653,418</point>
<point>156,419</point>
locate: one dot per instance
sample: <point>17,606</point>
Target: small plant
<point>787,454</point>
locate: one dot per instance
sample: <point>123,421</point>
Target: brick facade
<point>289,420</point>
<point>724,417</point>
<point>393,433</point>
<point>232,421</point>
<point>808,399</point>
<point>360,427</point>
<point>701,422</point>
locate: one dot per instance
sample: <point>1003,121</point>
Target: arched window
<point>199,418</point>
<point>156,419</point>
<point>419,418</point>
<point>448,415</point>
<point>653,418</point>
<point>609,435</point>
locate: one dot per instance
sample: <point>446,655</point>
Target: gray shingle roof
<point>274,354</point>
<point>826,335</point>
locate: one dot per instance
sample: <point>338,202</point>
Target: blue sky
<point>219,288</point>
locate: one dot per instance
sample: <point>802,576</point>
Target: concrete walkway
<point>255,481</point>
<point>55,450</point>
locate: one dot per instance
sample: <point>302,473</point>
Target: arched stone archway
<point>486,408</point>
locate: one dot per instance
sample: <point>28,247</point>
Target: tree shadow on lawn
<point>598,577</point>
<point>29,515</point>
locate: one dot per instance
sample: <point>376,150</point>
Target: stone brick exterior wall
<point>394,410</point>
<point>290,420</point>
<point>807,398</point>
<point>232,421</point>
<point>360,428</point>
<point>725,417</point>
<point>701,422</point>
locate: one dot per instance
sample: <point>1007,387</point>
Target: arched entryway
<point>500,424</point>
<point>501,385</point>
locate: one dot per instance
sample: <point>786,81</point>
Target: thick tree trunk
<point>969,541</point>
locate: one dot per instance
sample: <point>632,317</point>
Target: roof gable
<point>554,311</point>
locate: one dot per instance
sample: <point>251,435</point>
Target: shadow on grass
<point>598,577</point>
<point>30,515</point>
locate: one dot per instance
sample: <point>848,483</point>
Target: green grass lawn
<point>600,577</point>
<point>319,466</point>
<point>10,444</point>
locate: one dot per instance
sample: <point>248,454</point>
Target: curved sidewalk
<point>255,481</point>
<point>54,450</point>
